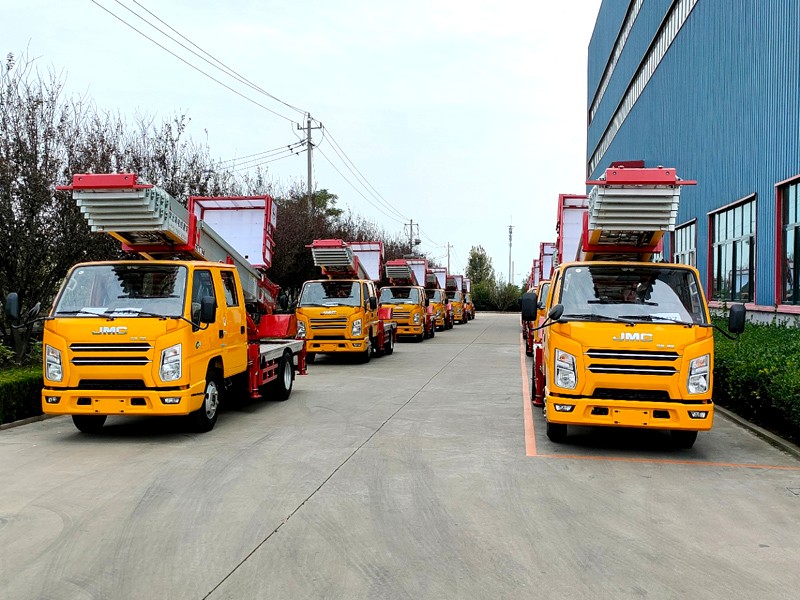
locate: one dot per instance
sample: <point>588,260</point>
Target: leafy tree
<point>479,266</point>
<point>506,297</point>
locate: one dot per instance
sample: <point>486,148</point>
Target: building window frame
<point>684,243</point>
<point>732,239</point>
<point>787,199</point>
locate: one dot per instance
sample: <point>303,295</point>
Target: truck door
<point>205,342</point>
<point>233,325</point>
<point>371,316</point>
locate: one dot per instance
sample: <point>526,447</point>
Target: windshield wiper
<point>594,316</point>
<point>655,319</point>
<point>125,312</point>
<point>80,311</point>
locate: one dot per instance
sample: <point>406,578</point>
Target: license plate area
<point>633,417</point>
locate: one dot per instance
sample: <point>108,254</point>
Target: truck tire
<point>311,357</point>
<point>365,356</point>
<point>682,439</point>
<point>88,423</point>
<point>432,332</point>
<point>205,417</point>
<point>281,388</point>
<point>389,347</point>
<point>556,432</point>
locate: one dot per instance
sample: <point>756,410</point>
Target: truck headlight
<point>698,382</point>
<point>355,330</point>
<point>566,377</point>
<point>417,318</point>
<point>301,329</point>
<point>439,314</point>
<point>53,367</point>
<point>171,362</point>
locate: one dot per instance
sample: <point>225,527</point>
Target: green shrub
<point>20,393</point>
<point>758,376</point>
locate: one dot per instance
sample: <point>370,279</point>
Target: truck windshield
<point>454,296</point>
<point>331,293</point>
<point>399,295</point>
<point>641,292</point>
<point>434,295</point>
<point>123,290</point>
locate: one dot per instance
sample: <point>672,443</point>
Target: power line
<point>186,62</point>
<point>242,78</point>
<point>360,177</point>
<point>236,163</point>
<point>325,156</point>
<point>264,162</point>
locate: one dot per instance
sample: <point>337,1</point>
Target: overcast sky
<point>465,116</point>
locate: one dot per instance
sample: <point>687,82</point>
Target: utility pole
<point>309,146</point>
<point>413,240</point>
<point>449,245</point>
<point>510,228</point>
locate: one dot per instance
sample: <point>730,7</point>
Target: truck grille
<point>97,354</point>
<point>334,323</point>
<point>629,362</point>
<point>111,384</point>
<point>632,370</point>
<point>643,395</point>
<point>631,354</point>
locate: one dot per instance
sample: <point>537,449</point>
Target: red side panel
<point>277,326</point>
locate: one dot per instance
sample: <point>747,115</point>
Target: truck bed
<point>272,349</point>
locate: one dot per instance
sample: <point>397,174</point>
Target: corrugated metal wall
<point>723,107</point>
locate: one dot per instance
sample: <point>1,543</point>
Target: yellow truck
<point>435,281</point>
<point>469,305</point>
<point>456,297</point>
<point>340,314</point>
<point>173,334</point>
<point>410,307</point>
<point>628,342</point>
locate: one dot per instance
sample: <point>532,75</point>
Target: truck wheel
<point>365,356</point>
<point>556,432</point>
<point>433,332</point>
<point>205,417</point>
<point>389,347</point>
<point>311,357</point>
<point>281,388</point>
<point>682,439</point>
<point>89,423</point>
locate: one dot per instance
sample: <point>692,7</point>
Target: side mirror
<point>208,309</point>
<point>528,306</point>
<point>736,318</point>
<point>555,313</point>
<point>12,306</point>
<point>373,303</point>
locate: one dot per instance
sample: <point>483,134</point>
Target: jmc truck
<point>406,299</point>
<point>169,335</point>
<point>340,314</point>
<point>628,342</point>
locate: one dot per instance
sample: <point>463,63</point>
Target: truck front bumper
<point>332,346</point>
<point>149,402</point>
<point>623,413</point>
<point>410,329</point>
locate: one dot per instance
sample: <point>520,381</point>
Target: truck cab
<point>442,310</point>
<point>340,315</point>
<point>408,306</point>
<point>456,299</point>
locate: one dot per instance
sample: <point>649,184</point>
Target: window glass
<point>790,246</point>
<point>229,285</point>
<point>733,243</point>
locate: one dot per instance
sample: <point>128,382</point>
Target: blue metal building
<point>712,88</point>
